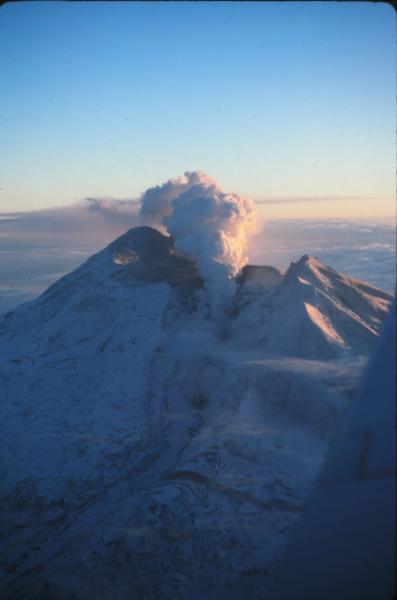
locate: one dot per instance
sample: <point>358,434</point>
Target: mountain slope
<point>149,452</point>
<point>314,312</point>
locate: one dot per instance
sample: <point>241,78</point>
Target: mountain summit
<point>149,256</point>
<point>149,452</point>
<point>312,312</point>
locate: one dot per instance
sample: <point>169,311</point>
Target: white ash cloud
<point>207,223</point>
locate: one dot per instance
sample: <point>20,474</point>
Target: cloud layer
<point>29,264</point>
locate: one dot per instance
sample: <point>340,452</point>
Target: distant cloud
<point>361,248</point>
<point>91,218</point>
<point>117,211</point>
<point>305,199</point>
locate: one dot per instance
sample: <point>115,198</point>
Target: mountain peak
<point>145,240</point>
<point>150,256</point>
<point>313,311</point>
<point>315,272</point>
<point>305,262</point>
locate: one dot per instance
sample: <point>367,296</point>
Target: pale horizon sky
<point>292,103</point>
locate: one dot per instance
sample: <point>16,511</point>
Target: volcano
<point>151,451</point>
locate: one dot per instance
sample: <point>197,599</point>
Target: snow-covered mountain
<point>311,312</point>
<point>150,451</point>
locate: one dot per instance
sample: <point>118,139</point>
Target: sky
<point>292,103</point>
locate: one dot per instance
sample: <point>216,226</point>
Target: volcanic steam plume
<point>207,223</point>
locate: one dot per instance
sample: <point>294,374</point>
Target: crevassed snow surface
<point>150,452</point>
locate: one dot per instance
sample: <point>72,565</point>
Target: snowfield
<point>150,450</point>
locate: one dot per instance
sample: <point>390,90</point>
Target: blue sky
<point>275,100</point>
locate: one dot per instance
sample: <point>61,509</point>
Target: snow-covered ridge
<point>150,452</point>
<point>312,311</point>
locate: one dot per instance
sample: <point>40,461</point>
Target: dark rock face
<point>149,256</point>
<point>262,277</point>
